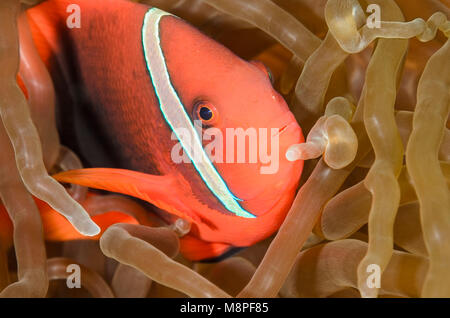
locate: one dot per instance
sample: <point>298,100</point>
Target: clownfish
<point>132,82</point>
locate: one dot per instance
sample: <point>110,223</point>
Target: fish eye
<point>206,112</point>
<point>265,69</point>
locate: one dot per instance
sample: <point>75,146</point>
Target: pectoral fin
<point>161,191</point>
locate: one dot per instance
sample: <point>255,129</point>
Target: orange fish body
<point>130,81</point>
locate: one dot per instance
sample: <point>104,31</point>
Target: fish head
<point>244,124</point>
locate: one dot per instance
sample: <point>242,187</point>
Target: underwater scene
<point>225,148</point>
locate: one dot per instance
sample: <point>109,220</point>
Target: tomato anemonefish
<point>131,76</point>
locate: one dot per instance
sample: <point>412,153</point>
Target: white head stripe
<point>175,113</point>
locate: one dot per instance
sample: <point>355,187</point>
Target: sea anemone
<point>374,102</point>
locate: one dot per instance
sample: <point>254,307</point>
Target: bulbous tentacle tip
<point>86,226</point>
<point>293,153</point>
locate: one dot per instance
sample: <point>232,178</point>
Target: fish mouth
<point>284,128</point>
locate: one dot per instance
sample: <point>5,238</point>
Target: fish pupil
<point>205,113</point>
